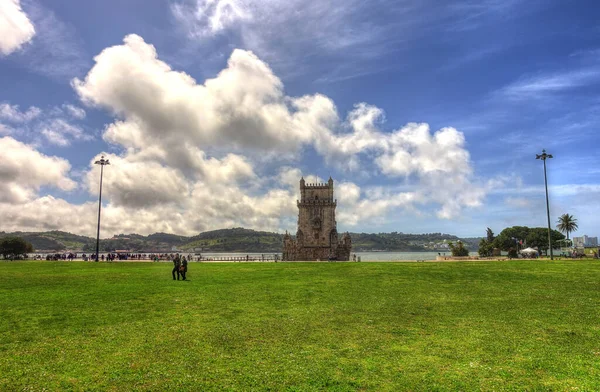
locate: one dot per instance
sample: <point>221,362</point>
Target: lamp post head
<point>102,161</point>
<point>543,156</point>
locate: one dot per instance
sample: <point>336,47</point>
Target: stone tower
<point>317,236</point>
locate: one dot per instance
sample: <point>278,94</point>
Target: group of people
<point>170,257</point>
<point>179,267</point>
<point>58,256</point>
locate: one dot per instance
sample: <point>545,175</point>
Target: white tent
<point>529,251</point>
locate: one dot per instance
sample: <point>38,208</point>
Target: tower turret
<point>302,188</point>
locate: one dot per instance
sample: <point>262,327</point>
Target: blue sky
<point>427,114</point>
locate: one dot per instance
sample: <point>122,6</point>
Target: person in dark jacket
<point>176,265</point>
<point>184,264</point>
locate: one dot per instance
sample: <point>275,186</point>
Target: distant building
<point>585,241</point>
<point>317,236</point>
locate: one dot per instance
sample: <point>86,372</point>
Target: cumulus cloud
<point>23,170</point>
<point>165,116</point>
<point>437,164</point>
<point>194,156</point>
<point>138,184</point>
<point>15,27</point>
<point>357,207</point>
<point>243,107</point>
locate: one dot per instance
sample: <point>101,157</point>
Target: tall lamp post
<point>102,162</point>
<point>543,156</point>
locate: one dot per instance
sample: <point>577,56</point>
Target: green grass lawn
<point>514,325</point>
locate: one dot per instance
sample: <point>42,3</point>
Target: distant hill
<point>236,240</point>
<point>232,240</point>
<point>397,241</point>
<point>52,240</point>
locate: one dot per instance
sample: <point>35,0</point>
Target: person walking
<point>176,265</point>
<point>184,264</point>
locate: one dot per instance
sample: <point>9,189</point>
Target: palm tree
<point>567,224</point>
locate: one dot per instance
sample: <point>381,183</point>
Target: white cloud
<point>52,124</point>
<point>242,108</point>
<point>56,51</point>
<point>231,169</point>
<point>372,206</point>
<point>518,202</point>
<point>15,27</point>
<point>214,198</point>
<point>437,164</point>
<point>470,15</point>
<point>289,178</point>
<point>59,132</point>
<point>23,170</point>
<point>134,183</point>
<point>48,213</point>
<point>209,17</point>
<point>341,33</point>
<point>546,83</point>
<point>74,111</point>
<point>13,114</point>
<point>193,156</point>
<point>170,119</point>
<point>55,138</point>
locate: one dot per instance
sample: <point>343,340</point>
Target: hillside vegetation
<point>230,240</point>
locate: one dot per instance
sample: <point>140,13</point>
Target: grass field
<point>520,325</point>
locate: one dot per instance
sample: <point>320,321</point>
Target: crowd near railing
<point>156,257</point>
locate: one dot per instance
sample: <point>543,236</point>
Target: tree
<point>508,237</point>
<point>538,237</point>
<point>486,245</point>
<point>486,248</point>
<point>567,224</point>
<point>490,235</point>
<point>533,237</point>
<point>14,247</point>
<point>458,250</point>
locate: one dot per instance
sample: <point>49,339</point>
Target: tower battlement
<point>316,192</point>
<point>316,185</point>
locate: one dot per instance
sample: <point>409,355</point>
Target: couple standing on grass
<point>179,266</point>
